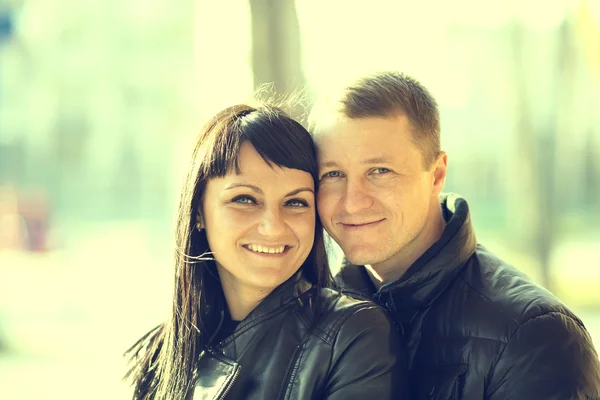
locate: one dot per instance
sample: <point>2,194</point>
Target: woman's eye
<point>243,200</point>
<point>297,203</point>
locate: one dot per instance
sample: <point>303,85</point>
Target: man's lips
<point>361,224</point>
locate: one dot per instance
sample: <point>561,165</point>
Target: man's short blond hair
<point>388,94</point>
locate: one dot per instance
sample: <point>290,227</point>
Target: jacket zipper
<point>236,372</point>
<point>284,383</point>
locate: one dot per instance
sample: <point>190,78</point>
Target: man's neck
<point>396,266</point>
<point>375,277</point>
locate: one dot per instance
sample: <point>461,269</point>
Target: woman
<point>253,316</point>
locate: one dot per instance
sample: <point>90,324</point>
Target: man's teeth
<point>264,249</point>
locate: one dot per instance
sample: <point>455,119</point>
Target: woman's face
<point>260,224</point>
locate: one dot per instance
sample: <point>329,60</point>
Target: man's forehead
<point>339,123</point>
<point>326,123</point>
<point>367,160</point>
<point>354,142</point>
<point>341,156</point>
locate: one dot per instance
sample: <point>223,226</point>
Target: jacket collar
<point>290,290</point>
<point>217,368</point>
<point>431,273</point>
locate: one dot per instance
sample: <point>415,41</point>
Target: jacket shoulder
<point>367,355</point>
<point>354,280</point>
<point>338,310</point>
<point>495,298</point>
<point>510,291</point>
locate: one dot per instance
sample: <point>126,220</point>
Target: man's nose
<point>357,197</point>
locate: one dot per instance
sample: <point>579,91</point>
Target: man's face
<point>375,195</point>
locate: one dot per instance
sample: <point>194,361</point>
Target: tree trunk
<point>537,145</point>
<point>276,49</point>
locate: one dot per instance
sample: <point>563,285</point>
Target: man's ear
<point>199,221</point>
<point>439,167</point>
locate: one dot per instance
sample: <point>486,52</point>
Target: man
<point>476,327</point>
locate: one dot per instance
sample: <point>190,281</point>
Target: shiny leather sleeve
<point>549,357</point>
<point>368,359</point>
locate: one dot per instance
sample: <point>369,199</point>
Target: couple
<point>256,313</point>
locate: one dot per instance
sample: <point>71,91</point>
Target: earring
<point>199,222</point>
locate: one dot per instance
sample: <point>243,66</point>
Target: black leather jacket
<point>286,349</point>
<point>477,328</point>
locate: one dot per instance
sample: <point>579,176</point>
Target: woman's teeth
<point>264,249</point>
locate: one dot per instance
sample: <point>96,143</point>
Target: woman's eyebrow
<point>296,191</point>
<point>252,187</point>
<point>260,191</point>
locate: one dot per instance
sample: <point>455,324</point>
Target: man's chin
<point>362,258</point>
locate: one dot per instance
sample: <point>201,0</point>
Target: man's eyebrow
<point>374,160</point>
<point>377,160</point>
<point>328,164</point>
<point>252,187</point>
<point>299,190</point>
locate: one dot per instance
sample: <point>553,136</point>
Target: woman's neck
<point>241,299</point>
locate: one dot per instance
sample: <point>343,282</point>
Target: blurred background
<point>100,102</point>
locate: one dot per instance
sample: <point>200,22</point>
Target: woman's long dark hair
<point>163,361</point>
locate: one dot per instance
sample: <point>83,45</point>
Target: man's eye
<point>381,170</point>
<point>331,174</point>
<point>243,200</point>
<point>297,203</point>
